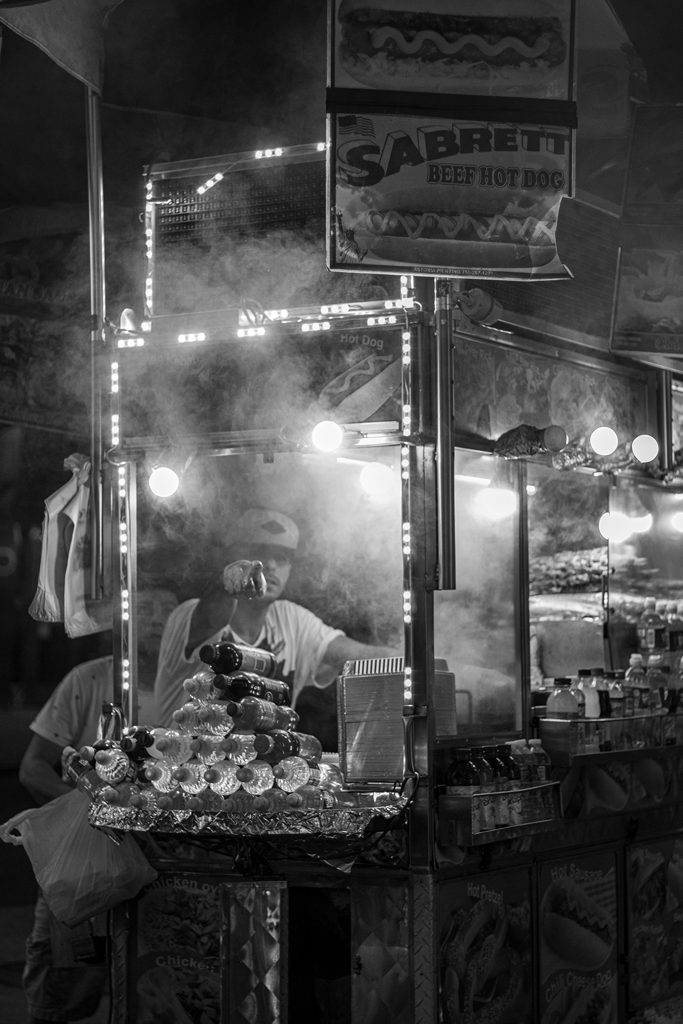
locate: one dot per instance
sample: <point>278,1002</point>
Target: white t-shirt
<point>71,715</point>
<point>297,637</point>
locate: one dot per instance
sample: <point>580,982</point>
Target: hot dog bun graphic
<point>578,931</point>
<point>445,225</point>
<point>591,1006</point>
<point>441,45</point>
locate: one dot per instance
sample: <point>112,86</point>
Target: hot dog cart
<point>416,900</point>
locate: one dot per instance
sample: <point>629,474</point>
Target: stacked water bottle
<point>234,747</point>
<point>505,784</point>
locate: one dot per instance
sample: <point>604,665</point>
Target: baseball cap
<point>267,527</point>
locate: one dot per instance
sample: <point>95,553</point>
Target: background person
<point>65,973</point>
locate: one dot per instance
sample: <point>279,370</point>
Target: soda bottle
<point>674,631</point>
<point>651,628</point>
<point>616,692</point>
<point>579,696</point>
<point>256,777</point>
<point>75,769</point>
<point>501,785</point>
<point>250,684</point>
<point>599,683</point>
<point>136,741</point>
<point>485,771</point>
<point>279,743</point>
<point>261,715</point>
<point>222,777</point>
<point>522,756</point>
<point>562,703</point>
<point>226,657</point>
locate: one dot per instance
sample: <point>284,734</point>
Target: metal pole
<point>443,315</point>
<point>97,306</point>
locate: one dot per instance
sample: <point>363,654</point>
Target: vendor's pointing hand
<point>244,577</point>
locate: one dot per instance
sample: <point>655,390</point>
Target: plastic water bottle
<point>113,765</point>
<point>616,693</point>
<point>190,776</point>
<point>186,718</point>
<point>215,718</point>
<point>174,746</point>
<point>208,749</point>
<point>311,797</point>
<point>239,746</point>
<point>222,777</point>
<point>279,743</point>
<point>656,679</point>
<point>256,777</point>
<point>294,772</point>
<point>160,774</point>
<point>270,801</point>
<point>201,686</point>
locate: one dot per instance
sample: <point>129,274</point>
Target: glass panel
<point>348,569</point>
<point>568,564</point>
<point>476,625</point>
<point>647,561</point>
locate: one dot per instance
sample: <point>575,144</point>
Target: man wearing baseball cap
<point>308,651</point>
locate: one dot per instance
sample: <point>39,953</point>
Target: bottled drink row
<point>505,783</point>
<point>619,703</point>
<point>234,747</point>
<point>660,630</point>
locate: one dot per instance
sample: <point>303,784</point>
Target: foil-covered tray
<point>338,822</point>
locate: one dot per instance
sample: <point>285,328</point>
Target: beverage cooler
<point>478,861</point>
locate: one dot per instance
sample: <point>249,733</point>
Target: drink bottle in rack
<point>651,629</point>
<point>579,696</point>
<point>250,684</point>
<point>222,777</point>
<point>590,693</point>
<point>617,694</point>
<point>501,785</point>
<point>635,687</point>
<point>540,760</point>
<point>279,743</point>
<point>657,680</point>
<point>261,715</point>
<point>239,746</point>
<point>562,703</point>
<point>227,657</point>
<point>256,777</point>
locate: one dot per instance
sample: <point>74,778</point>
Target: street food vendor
<point>309,652</point>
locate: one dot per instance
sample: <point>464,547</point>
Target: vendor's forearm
<point>42,781</point>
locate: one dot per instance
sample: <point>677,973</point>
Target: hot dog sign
<point>444,197</point>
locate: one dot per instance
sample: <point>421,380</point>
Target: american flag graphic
<point>356,124</point>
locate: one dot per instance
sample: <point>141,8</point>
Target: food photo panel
<point>444,196</point>
<point>510,48</point>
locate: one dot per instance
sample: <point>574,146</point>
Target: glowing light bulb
<point>645,448</point>
<point>327,435</point>
<point>604,441</point>
<point>641,524</point>
<point>496,503</point>
<point>377,480</point>
<point>163,481</point>
<point>677,521</point>
<point>615,526</point>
